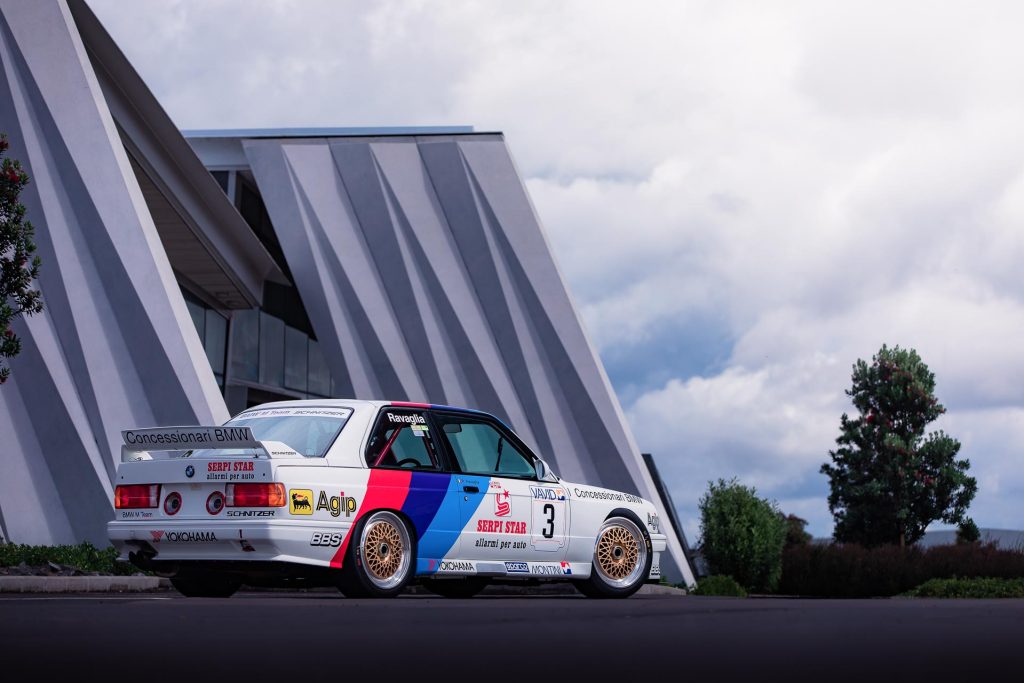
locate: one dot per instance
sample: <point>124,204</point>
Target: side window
<point>479,448</point>
<point>401,438</point>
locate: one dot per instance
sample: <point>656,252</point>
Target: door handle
<point>470,488</point>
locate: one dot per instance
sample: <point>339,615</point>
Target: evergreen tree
<point>968,532</point>
<point>18,266</point>
<point>888,479</point>
<point>742,535</point>
<point>796,531</point>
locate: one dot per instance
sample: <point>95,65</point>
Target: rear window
<point>308,431</point>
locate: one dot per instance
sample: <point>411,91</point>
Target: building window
<point>222,179</point>
<point>213,333</point>
<point>320,380</point>
<point>267,352</point>
<point>245,345</point>
<point>271,350</point>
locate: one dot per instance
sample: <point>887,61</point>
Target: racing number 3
<point>549,531</point>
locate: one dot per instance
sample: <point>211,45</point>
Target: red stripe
<point>386,489</point>
<point>405,404</point>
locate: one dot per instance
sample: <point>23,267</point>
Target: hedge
<point>852,571</point>
<point>969,588</point>
<point>84,556</point>
<point>720,585</point>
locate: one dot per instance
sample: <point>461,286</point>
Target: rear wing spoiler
<point>139,443</point>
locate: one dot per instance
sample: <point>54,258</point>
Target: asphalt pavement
<point>314,637</point>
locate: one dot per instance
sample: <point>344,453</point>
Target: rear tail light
<point>137,496</point>
<point>255,495</point>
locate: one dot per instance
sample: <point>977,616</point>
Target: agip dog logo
<point>300,501</point>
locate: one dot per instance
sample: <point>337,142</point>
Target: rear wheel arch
<point>354,580</point>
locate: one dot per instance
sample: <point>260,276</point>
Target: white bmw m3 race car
<point>369,496</point>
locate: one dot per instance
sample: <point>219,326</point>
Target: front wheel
<point>206,586</point>
<point>380,560</point>
<point>622,560</point>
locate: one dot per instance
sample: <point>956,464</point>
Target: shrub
<point>968,531</point>
<point>742,535</point>
<point>84,556</point>
<point>969,588</point>
<point>852,571</point>
<point>719,585</point>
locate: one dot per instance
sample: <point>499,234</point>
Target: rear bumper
<point>228,540</point>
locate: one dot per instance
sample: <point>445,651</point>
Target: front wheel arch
<point>629,514</point>
<point>595,586</point>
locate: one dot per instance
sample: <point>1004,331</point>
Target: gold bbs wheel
<point>620,554</point>
<point>385,549</point>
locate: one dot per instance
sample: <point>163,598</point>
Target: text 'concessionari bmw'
<point>369,496</point>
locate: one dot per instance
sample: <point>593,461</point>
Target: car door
<point>413,475</point>
<point>508,516</point>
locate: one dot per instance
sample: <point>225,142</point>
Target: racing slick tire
<point>381,558</point>
<point>622,559</point>
<point>456,588</point>
<point>212,586</point>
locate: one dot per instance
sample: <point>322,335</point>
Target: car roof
<point>353,402</point>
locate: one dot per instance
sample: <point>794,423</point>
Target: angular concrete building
<point>188,277</point>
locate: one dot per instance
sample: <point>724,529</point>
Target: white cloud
<point>813,179</point>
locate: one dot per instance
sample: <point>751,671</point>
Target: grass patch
<point>720,585</point>
<point>84,556</point>
<point>976,587</point>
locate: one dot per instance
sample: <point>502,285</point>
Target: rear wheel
<point>213,586</point>
<point>456,588</point>
<point>622,560</point>
<point>380,560</point>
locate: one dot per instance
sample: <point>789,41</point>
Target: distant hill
<point>1005,538</point>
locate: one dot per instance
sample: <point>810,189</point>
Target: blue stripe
<point>442,534</point>
<point>426,491</point>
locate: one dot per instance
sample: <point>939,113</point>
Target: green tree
<point>742,535</point>
<point>968,532</point>
<point>888,479</point>
<point>796,530</point>
<point>18,267</point>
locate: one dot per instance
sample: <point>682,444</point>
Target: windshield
<point>308,431</point>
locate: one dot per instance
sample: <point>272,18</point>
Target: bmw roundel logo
<point>190,471</point>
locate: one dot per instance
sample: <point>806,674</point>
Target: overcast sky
<point>744,197</point>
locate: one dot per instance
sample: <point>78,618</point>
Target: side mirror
<point>544,472</point>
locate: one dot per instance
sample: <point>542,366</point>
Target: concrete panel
<point>423,257</point>
<point>115,346</point>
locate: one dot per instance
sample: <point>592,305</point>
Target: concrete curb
<point>81,584</point>
<point>658,589</point>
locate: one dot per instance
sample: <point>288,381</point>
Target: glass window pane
<point>198,314</point>
<point>216,339</point>
<point>479,448</point>
<point>295,358</point>
<point>319,375</point>
<point>308,434</point>
<point>271,350</point>
<point>245,345</point>
<point>401,439</point>
<point>222,179</point>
